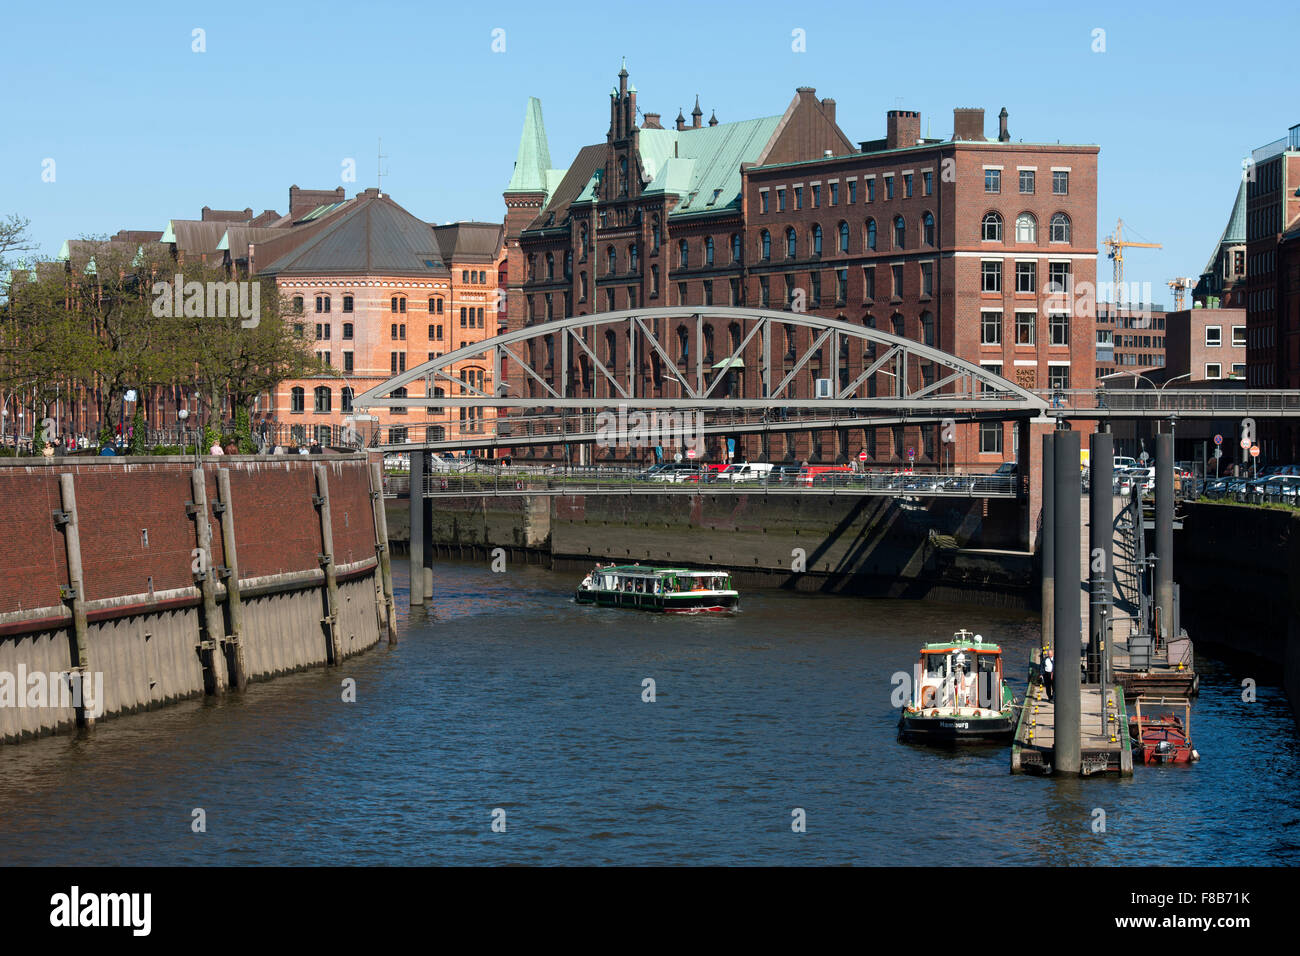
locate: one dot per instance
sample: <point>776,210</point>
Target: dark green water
<point>507,695</point>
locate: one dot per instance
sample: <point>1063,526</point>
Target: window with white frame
<point>991,275</point>
<point>1027,277</point>
<point>990,328</point>
<point>1058,328</point>
<point>1213,337</point>
<point>1025,325</point>
<point>1213,370</point>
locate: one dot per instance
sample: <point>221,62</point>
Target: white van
<point>749,471</point>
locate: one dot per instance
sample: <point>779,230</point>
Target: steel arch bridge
<point>924,383</point>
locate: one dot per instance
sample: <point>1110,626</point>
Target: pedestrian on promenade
<point>1049,674</point>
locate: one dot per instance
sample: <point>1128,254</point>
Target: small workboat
<point>669,590</point>
<point>958,694</point>
<point>1161,728</point>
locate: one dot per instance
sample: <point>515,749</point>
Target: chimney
<point>902,128</point>
<point>652,121</point>
<point>1003,135</point>
<point>968,124</point>
<point>828,107</point>
<point>681,120</point>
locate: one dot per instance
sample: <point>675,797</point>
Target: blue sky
<point>142,129</point>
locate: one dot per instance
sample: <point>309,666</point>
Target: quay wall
<point>143,575</point>
<point>963,550</point>
<point>1238,570</point>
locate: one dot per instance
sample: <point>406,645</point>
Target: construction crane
<point>1180,287</point>
<point>1117,243</point>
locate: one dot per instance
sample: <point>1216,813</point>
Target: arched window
<point>791,243</point>
<point>550,266</point>
<point>765,243</point>
<point>844,237</point>
<point>611,259</point>
<point>683,254</point>
<point>322,398</point>
<point>900,233</point>
<point>871,234</point>
<point>735,248</point>
<point>708,251</point>
<point>1026,228</point>
<point>683,343</point>
<point>435,308</point>
<point>1060,227</point>
<point>817,239</point>
<point>633,263</point>
<point>568,264</point>
<point>991,229</point>
<point>296,399</point>
<point>927,229</point>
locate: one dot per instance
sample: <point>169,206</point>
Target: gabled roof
<point>703,165</point>
<point>237,238</point>
<point>470,241</point>
<point>573,186</point>
<point>194,236</point>
<point>371,236</point>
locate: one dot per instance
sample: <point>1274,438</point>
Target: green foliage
<point>244,432</point>
<point>139,440</point>
<point>38,439</point>
<point>210,437</point>
<point>170,450</point>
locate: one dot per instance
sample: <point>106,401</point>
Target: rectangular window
<point>1060,182</point>
<point>1027,182</point>
<point>764,292</point>
<point>762,202</point>
<point>990,438</point>
<point>798,197</point>
<point>871,190</point>
<point>990,328</point>
<point>1058,277</point>
<point>1058,325</point>
<point>889,187</point>
<point>347,331</point>
<point>708,293</point>
<point>1025,325</point>
<point>991,275</point>
<point>816,196</point>
<point>815,289</point>
<point>347,361</point>
<point>1058,377</point>
<point>841,286</point>
<point>681,294</point>
<point>907,185</point>
<point>1213,336</point>
<point>927,182</point>
<point>1239,335</point>
<point>993,180</point>
<point>347,303</point>
<point>853,190</point>
<point>868,283</point>
<point>897,272</point>
<point>1027,277</point>
<point>835,194</point>
<point>780,200</point>
<point>1238,370</point>
<point>927,278</point>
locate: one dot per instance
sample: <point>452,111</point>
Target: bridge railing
<point>1174,400</point>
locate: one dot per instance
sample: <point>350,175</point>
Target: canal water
<point>508,697</point>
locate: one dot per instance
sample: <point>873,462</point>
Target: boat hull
<point>956,728</point>
<point>715,602</point>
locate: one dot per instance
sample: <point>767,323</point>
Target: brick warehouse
<point>949,241</point>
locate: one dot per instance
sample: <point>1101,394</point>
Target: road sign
<point>1144,457</point>
<point>1254,451</point>
<point>1218,439</point>
<point>690,453</point>
<point>911,454</point>
<point>862,456</point>
<point>1245,443</point>
<point>1218,453</point>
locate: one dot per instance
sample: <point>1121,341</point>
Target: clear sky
<point>143,129</point>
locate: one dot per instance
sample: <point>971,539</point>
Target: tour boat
<point>958,694</point>
<point>1163,733</point>
<point>670,590</point>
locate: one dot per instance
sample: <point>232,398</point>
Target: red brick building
<point>954,242</point>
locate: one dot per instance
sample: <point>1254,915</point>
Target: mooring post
<point>1164,589</point>
<point>1101,518</point>
<point>381,550</point>
<point>1046,541</point>
<point>331,619</point>
<point>211,626</point>
<point>234,604</point>
<point>1067,622</point>
<point>76,596</point>
<point>417,528</point>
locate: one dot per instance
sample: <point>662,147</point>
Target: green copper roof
<point>703,165</point>
<point>1234,233</point>
<point>533,161</point>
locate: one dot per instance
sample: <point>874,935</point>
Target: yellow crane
<point>1180,287</point>
<point>1116,243</point>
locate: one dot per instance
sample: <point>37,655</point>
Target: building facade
<point>973,245</point>
<point>1130,338</point>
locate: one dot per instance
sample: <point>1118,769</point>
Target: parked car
<point>811,474</point>
<point>1124,463</point>
<point>786,474</point>
<point>745,471</point>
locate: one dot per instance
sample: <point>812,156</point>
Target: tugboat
<point>959,695</point>
<point>1163,736</point>
<point>667,590</point>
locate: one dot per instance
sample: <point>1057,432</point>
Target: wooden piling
<point>382,550</point>
<point>331,619</point>
<point>211,626</point>
<point>234,603</point>
<point>76,594</point>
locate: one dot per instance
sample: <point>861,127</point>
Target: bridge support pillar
<point>1165,536</point>
<point>1067,621</point>
<point>1101,519</point>
<point>417,528</point>
<point>1047,537</point>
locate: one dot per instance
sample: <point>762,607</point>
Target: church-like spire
<point>697,114</point>
<point>534,156</point>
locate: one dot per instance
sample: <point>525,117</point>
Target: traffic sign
<point>862,456</point>
<point>690,453</point>
<point>1218,453</point>
<point>1245,443</point>
<point>911,454</point>
<point>1254,451</point>
<point>1144,457</point>
<point>1218,439</point>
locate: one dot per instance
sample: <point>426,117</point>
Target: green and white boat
<point>668,590</point>
<point>958,694</point>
